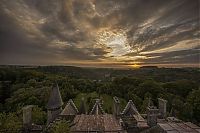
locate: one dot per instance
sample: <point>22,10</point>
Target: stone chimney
<point>27,117</point>
<point>82,109</point>
<point>152,114</point>
<point>54,105</point>
<point>162,106</point>
<point>116,106</point>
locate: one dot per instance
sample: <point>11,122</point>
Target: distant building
<point>107,75</point>
<point>129,120</point>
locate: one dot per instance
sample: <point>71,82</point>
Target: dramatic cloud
<point>109,33</point>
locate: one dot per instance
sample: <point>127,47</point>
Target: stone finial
<point>162,106</point>
<point>116,106</point>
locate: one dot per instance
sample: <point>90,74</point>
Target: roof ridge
<point>73,104</point>
<point>70,108</point>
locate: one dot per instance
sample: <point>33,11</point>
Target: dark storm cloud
<point>64,31</point>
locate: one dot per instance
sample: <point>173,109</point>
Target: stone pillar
<point>116,107</point>
<point>82,109</point>
<point>152,114</point>
<point>27,117</point>
<point>162,105</point>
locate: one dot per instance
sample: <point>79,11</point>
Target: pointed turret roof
<point>70,108</point>
<point>130,109</point>
<point>55,100</point>
<point>82,109</point>
<point>97,108</point>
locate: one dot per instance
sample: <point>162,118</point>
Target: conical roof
<point>97,108</point>
<point>55,99</point>
<point>70,108</point>
<point>130,109</point>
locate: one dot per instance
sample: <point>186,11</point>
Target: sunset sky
<point>100,33</point>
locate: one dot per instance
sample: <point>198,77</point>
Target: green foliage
<point>180,87</point>
<point>194,101</point>
<point>145,102</point>
<point>150,86</point>
<point>67,91</point>
<point>91,97</point>
<point>136,100</point>
<point>10,123</point>
<point>27,96</point>
<point>60,127</point>
<point>178,106</point>
<point>88,97</point>
<point>186,113</point>
<point>39,116</point>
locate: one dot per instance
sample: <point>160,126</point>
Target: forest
<point>21,85</point>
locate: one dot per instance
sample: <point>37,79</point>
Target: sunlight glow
<point>116,40</point>
<point>135,66</point>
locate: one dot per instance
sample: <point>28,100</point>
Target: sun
<point>135,66</point>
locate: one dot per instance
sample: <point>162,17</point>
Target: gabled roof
<point>70,109</point>
<point>130,109</point>
<point>106,123</point>
<point>55,100</point>
<point>97,108</point>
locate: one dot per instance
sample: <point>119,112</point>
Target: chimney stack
<point>116,107</point>
<point>152,114</point>
<point>27,117</point>
<point>82,109</point>
<point>162,106</point>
